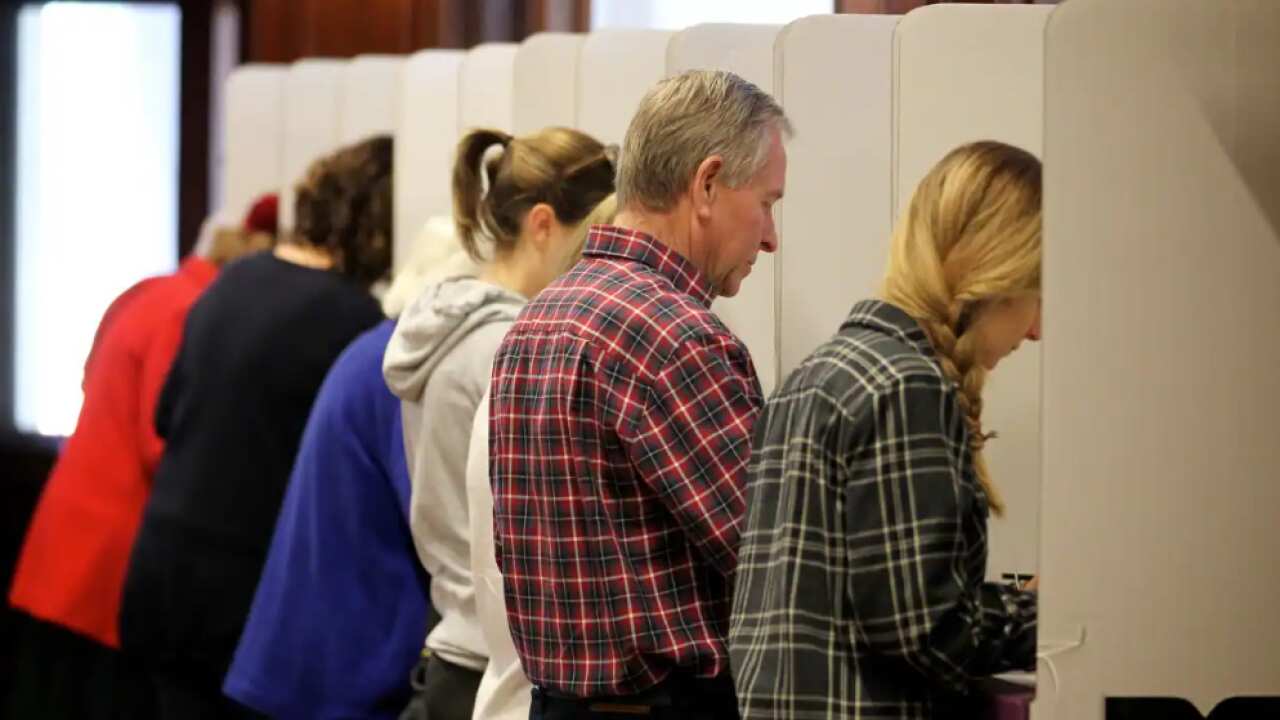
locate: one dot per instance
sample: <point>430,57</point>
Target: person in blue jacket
<point>340,611</point>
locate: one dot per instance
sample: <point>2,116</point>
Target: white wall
<point>746,50</point>
<point>964,73</point>
<point>1162,296</point>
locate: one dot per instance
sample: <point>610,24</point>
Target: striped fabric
<point>860,590</point>
<point>620,429</point>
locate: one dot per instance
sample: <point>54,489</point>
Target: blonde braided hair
<point>970,235</point>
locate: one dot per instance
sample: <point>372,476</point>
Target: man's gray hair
<point>685,119</point>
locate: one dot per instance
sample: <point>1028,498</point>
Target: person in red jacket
<point>70,573</point>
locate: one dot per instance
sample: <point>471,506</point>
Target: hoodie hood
<point>435,323</point>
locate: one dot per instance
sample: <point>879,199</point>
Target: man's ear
<point>705,186</point>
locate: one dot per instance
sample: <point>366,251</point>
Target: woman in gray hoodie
<point>539,188</point>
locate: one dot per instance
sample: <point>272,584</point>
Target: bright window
<point>680,14</point>
<point>97,193</point>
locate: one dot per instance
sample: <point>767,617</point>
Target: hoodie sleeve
<point>441,437</point>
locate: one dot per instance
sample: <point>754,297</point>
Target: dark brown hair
<point>566,169</point>
<point>343,205</point>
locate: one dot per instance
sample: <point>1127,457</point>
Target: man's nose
<point>770,241</point>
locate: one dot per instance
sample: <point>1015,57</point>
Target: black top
<point>256,347</point>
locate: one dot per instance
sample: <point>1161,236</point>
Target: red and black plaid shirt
<point>620,430</point>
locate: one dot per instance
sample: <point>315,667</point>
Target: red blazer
<point>73,562</point>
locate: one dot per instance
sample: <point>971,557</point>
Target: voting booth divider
<point>254,127</point>
<point>835,220</point>
<point>615,69</point>
<point>746,50</point>
<point>371,87</point>
<point>546,82</point>
<point>312,123</point>
<point>486,84</point>
<point>426,132</point>
<point>964,73</point>
<point>1162,289</point>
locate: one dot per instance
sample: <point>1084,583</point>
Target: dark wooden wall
<point>285,30</point>
<point>904,6</point>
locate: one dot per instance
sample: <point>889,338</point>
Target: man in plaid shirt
<point>621,419</point>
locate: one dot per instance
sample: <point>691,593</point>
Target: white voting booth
<point>487,80</point>
<point>331,103</point>
<point>1156,119</point>
<point>254,127</point>
<point>1149,502</point>
<point>1162,299</point>
<point>615,69</point>
<point>370,97</point>
<point>372,86</point>
<point>444,94</point>
<point>426,135</point>
<point>746,50</point>
<point>835,220</point>
<point>964,73</point>
<point>313,98</point>
<point>546,87</point>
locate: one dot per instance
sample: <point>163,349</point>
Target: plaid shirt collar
<point>610,241</point>
<point>891,320</point>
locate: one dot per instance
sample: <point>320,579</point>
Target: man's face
<point>740,223</point>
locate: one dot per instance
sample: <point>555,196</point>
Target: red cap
<point>263,216</point>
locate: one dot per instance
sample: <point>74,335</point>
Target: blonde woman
<point>860,588</point>
<point>539,187</point>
